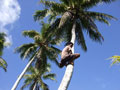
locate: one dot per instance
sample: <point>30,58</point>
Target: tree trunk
<point>22,74</point>
<point>69,69</point>
<point>34,87</point>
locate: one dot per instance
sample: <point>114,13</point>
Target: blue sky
<point>91,72</point>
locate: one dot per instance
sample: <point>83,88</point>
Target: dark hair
<point>68,43</point>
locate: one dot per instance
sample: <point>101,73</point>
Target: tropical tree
<point>3,63</point>
<point>72,17</point>
<point>41,49</point>
<point>34,78</point>
<point>115,59</point>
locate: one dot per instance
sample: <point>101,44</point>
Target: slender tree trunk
<point>34,87</point>
<point>69,69</point>
<point>22,74</point>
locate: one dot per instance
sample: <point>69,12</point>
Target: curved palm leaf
<point>30,33</point>
<point>41,14</point>
<point>102,17</point>
<point>52,12</point>
<point>54,7</point>
<point>26,50</point>
<point>86,4</point>
<point>79,36</point>
<point>3,64</point>
<point>49,76</point>
<point>115,59</point>
<point>91,29</point>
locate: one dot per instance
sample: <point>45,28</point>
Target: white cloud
<point>9,13</point>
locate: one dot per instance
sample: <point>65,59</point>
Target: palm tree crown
<point>74,11</point>
<point>42,46</point>
<point>35,78</point>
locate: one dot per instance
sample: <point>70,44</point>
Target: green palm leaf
<point>40,14</point>
<point>102,17</point>
<point>79,36</point>
<point>91,29</point>
<point>54,7</point>
<point>86,4</point>
<point>26,50</point>
<point>2,42</point>
<point>30,33</point>
<point>52,12</point>
<point>3,64</point>
<point>49,76</point>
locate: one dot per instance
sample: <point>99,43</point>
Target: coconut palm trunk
<point>69,69</point>
<point>22,74</point>
<point>34,86</point>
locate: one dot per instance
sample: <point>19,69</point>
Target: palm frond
<point>86,4</point>
<point>79,36</point>
<point>1,47</point>
<point>102,17</point>
<point>90,23</point>
<point>94,34</point>
<point>54,10</point>
<point>52,54</point>
<point>3,64</point>
<point>27,83</point>
<point>41,63</point>
<point>108,1</point>
<point>66,2</point>
<point>2,42</point>
<point>33,86</point>
<point>40,14</point>
<point>59,7</point>
<point>44,30</point>
<point>54,33</point>
<point>51,18</point>
<point>26,50</point>
<point>115,59</point>
<point>44,86</point>
<point>30,33</point>
<point>50,76</point>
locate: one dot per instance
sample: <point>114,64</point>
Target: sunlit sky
<point>91,71</point>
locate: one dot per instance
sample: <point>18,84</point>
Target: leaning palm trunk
<point>69,69</point>
<point>22,74</point>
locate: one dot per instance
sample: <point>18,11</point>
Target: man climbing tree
<point>67,57</point>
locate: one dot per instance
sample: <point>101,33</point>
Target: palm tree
<point>3,63</point>
<point>34,78</point>
<point>115,59</point>
<point>40,50</point>
<point>72,17</point>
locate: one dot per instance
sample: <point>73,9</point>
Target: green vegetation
<point>34,78</point>
<point>3,63</point>
<point>115,59</point>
